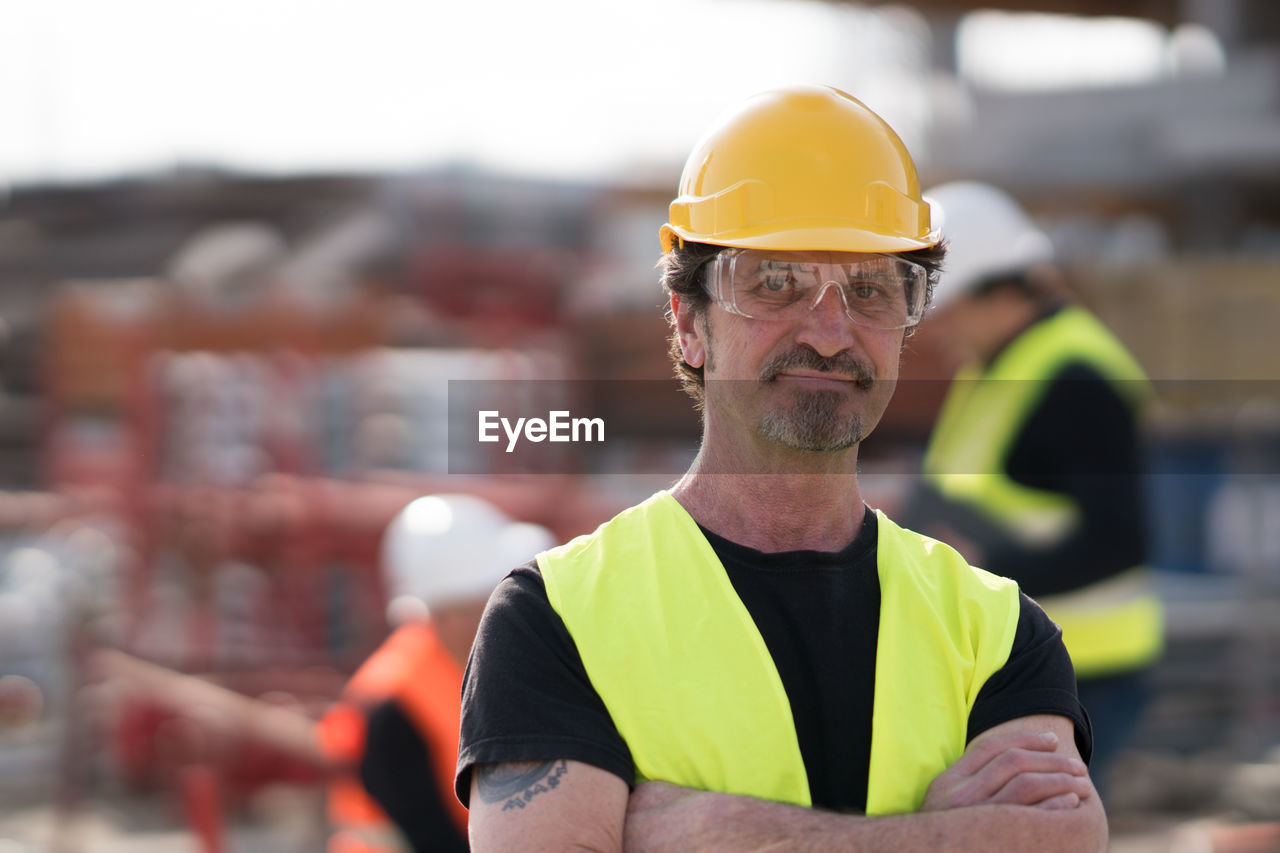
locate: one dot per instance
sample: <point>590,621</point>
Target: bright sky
<point>553,86</point>
<point>567,87</point>
<point>1035,51</point>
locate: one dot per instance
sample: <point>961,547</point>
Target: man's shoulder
<point>1074,344</point>
<point>912,550</point>
<point>660,510</point>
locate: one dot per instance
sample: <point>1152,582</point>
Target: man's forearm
<point>281,727</point>
<point>1018,786</point>
<point>720,822</point>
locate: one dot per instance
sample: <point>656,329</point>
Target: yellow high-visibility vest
<point>692,689</point>
<point>1113,625</point>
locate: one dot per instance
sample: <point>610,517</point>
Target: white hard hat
<point>987,234</point>
<point>446,548</point>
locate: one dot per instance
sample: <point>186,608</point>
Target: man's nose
<point>827,328</point>
<point>839,301</point>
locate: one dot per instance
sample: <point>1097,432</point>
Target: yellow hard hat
<point>801,168</point>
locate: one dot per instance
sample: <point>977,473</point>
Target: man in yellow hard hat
<point>754,658</point>
<point>1033,466</point>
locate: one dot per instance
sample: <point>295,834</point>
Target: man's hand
<point>1017,786</point>
<point>1013,765</point>
<point>1012,789</point>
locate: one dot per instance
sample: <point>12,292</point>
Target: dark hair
<point>1020,282</point>
<point>684,274</point>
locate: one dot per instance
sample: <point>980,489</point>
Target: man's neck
<point>814,506</point>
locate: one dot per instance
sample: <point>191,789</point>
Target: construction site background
<point>217,387</point>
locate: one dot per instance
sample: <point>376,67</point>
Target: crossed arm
<point>1020,785</point>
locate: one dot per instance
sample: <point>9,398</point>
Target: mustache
<point>841,363</point>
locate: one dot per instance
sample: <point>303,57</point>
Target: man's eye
<point>778,282</point>
<point>864,290</point>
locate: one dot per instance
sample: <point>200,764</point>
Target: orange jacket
<point>412,667</point>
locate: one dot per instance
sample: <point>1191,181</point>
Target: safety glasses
<point>877,291</point>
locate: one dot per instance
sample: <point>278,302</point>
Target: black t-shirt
<point>527,697</point>
<point>1082,441</point>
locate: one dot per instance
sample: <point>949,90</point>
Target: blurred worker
<point>396,725</point>
<point>391,740</point>
<point>1033,467</point>
<point>755,659</point>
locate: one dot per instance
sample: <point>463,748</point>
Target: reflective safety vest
<point>692,689</point>
<point>413,667</point>
<point>1113,625</point>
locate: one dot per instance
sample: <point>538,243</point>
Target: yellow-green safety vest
<point>1115,624</point>
<point>692,689</point>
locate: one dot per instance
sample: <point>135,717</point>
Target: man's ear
<point>693,340</point>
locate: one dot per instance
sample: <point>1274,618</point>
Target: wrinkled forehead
<point>776,258</point>
<point>810,263</point>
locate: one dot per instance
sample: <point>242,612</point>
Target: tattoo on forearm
<point>517,784</point>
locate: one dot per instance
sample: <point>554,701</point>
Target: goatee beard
<point>814,423</point>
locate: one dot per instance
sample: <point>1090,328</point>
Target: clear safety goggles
<point>878,291</point>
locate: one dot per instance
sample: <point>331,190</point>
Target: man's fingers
<point>983,750</point>
<point>1015,770</point>
<point>1009,764</point>
<point>1037,789</point>
<point>1062,801</point>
